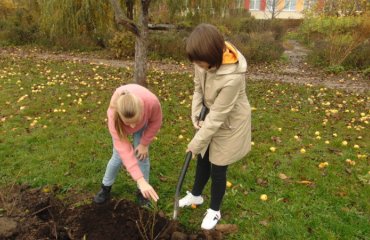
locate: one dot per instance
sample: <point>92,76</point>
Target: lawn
<point>310,152</point>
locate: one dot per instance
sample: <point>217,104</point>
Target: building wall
<point>282,15</point>
<point>300,5</point>
<point>264,13</point>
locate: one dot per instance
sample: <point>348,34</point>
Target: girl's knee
<point>115,162</point>
<point>218,172</point>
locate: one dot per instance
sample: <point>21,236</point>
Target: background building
<point>294,9</point>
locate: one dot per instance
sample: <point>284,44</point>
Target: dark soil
<point>29,214</point>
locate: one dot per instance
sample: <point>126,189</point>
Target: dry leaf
<point>264,222</point>
<point>342,194</point>
<point>349,171</point>
<point>262,182</point>
<point>305,182</point>
<point>162,178</point>
<point>276,163</point>
<point>283,176</point>
<point>276,139</point>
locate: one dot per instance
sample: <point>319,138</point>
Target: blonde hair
<point>128,106</point>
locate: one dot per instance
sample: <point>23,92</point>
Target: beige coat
<point>227,127</point>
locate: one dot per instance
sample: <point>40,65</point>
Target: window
<point>290,5</point>
<point>255,5</point>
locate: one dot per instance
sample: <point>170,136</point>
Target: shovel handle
<point>184,169</point>
<point>202,115</point>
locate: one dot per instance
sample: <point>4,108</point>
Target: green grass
<point>71,148</point>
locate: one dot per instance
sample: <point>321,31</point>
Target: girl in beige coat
<point>225,135</point>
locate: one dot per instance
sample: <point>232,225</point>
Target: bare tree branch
<point>273,7</point>
<point>121,19</point>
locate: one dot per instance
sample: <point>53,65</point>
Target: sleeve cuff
<point>144,142</point>
<point>136,173</point>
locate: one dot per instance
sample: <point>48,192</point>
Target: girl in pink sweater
<point>133,110</point>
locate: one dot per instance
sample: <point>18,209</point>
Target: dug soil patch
<point>30,214</point>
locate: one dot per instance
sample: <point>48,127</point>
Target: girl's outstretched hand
<point>147,190</point>
<point>141,152</point>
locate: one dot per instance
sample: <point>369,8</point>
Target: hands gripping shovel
<point>184,169</point>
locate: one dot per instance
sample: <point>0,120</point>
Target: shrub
<point>319,54</point>
<point>20,27</point>
<point>291,23</point>
<point>367,72</point>
<point>185,25</point>
<point>231,24</point>
<point>259,40</point>
<point>335,69</point>
<point>170,44</point>
<point>75,19</point>
<point>276,27</point>
<point>359,57</point>
<point>161,44</point>
<point>258,47</point>
<point>334,39</point>
<point>122,45</point>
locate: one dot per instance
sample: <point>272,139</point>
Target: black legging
<point>204,170</point>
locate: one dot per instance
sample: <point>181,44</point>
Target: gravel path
<point>294,70</point>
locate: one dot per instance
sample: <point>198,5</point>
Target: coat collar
<point>238,67</point>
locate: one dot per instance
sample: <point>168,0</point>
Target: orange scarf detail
<point>230,55</point>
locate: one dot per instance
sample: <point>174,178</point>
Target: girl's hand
<point>141,152</point>
<point>147,190</point>
<point>189,150</point>
<point>198,124</point>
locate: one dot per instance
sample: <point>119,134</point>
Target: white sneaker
<point>210,220</point>
<point>190,199</point>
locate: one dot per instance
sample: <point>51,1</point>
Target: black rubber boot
<point>103,195</point>
<point>142,201</point>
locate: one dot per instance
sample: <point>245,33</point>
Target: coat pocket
<point>226,124</point>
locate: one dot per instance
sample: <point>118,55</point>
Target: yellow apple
<point>263,197</point>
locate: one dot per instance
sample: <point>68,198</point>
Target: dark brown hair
<point>206,44</point>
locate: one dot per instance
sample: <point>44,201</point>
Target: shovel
<point>184,169</point>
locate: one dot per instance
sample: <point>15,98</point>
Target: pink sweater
<point>152,118</point>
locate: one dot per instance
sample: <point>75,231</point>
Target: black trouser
<point>206,169</point>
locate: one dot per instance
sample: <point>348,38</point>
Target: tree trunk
<point>140,61</point>
<point>273,9</point>
<point>130,9</point>
<point>141,45</point>
<point>141,34</point>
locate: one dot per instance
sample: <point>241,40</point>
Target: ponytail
<point>128,106</point>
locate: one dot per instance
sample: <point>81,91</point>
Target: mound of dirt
<point>30,214</point>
